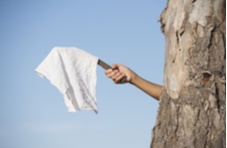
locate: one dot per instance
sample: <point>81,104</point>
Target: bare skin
<point>119,71</point>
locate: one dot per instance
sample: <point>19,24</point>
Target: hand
<point>120,72</point>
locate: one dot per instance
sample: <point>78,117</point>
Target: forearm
<point>118,72</point>
<point>152,89</point>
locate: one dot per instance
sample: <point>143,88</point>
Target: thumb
<point>115,66</point>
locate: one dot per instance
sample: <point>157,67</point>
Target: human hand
<point>120,74</point>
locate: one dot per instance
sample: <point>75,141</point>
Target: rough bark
<point>192,106</point>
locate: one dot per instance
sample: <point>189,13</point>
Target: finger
<point>116,75</point>
<point>108,71</point>
<point>112,74</point>
<point>119,78</point>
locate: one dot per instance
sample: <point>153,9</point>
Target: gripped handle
<point>107,66</point>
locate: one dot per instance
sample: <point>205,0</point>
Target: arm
<point>119,71</point>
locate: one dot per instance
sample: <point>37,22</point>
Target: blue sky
<point>32,111</point>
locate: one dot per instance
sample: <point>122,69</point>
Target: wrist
<point>134,79</point>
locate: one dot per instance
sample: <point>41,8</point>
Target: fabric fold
<point>73,72</point>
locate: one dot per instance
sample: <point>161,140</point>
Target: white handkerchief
<point>73,72</point>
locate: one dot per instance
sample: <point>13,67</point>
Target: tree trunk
<point>192,106</point>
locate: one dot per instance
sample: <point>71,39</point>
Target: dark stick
<point>103,64</point>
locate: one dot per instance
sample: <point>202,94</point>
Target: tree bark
<point>192,110</point>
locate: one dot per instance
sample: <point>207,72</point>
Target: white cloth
<point>73,72</point>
